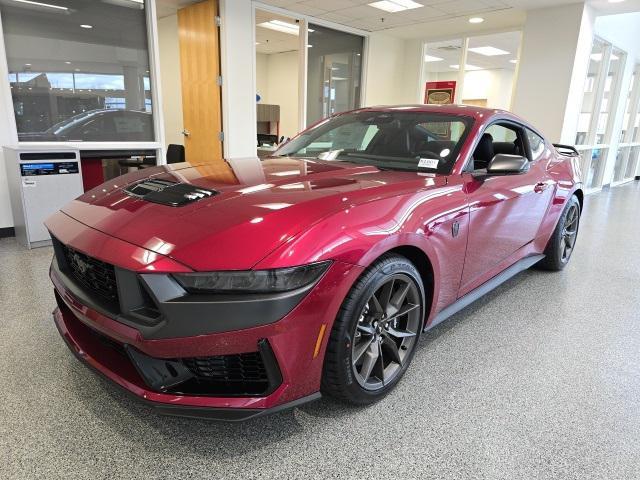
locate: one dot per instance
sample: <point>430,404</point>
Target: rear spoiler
<point>566,150</point>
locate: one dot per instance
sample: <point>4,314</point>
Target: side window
<point>502,134</point>
<point>498,139</point>
<point>536,143</point>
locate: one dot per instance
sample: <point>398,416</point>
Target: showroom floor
<point>539,380</point>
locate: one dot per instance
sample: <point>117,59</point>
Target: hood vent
<point>168,193</point>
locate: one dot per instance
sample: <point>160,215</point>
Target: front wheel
<point>376,332</point>
<point>563,241</point>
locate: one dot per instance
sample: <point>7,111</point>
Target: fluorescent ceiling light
<point>84,25</point>
<point>40,4</point>
<point>431,58</point>
<point>466,67</point>
<point>284,27</point>
<point>393,6</point>
<point>476,20</point>
<point>488,51</point>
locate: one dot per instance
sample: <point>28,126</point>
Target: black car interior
<point>487,148</point>
<point>410,142</point>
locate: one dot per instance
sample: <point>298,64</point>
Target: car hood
<point>255,206</point>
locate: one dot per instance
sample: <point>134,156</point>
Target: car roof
<point>451,109</point>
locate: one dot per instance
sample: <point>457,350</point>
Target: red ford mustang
<point>229,291</point>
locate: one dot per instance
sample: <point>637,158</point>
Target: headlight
<point>252,281</point>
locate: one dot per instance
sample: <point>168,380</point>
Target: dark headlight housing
<point>252,281</point>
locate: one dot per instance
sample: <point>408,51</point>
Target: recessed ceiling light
<point>476,20</point>
<point>393,6</point>
<point>466,67</point>
<point>68,63</point>
<point>84,25</point>
<point>309,46</point>
<point>257,43</point>
<point>431,58</point>
<point>40,4</point>
<point>488,51</point>
<point>27,64</point>
<point>280,26</point>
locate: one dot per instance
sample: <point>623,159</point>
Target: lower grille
<point>236,374</point>
<point>93,274</point>
<point>233,368</point>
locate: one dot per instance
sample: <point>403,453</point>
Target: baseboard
<point>7,232</point>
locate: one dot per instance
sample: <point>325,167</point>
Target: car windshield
<point>409,141</point>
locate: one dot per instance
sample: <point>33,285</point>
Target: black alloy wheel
<point>562,243</point>
<point>375,335</point>
<point>570,232</point>
<point>386,332</point>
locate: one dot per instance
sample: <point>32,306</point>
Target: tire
<point>385,307</point>
<point>562,243</point>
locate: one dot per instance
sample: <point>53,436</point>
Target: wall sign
<point>440,93</point>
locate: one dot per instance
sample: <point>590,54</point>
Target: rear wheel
<point>563,241</point>
<point>375,335</point>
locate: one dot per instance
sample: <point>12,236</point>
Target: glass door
<point>334,72</point>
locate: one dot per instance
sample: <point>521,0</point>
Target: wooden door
<point>199,71</point>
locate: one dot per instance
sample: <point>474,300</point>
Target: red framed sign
<point>440,93</point>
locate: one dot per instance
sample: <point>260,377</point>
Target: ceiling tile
<point>330,5</point>
<point>461,7</point>
<point>308,9</point>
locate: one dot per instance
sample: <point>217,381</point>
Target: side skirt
<point>483,289</point>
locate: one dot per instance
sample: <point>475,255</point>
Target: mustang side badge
<point>455,229</point>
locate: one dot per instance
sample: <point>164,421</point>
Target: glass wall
<point>594,135</point>
<point>594,74</point>
<point>629,148</point>
<point>334,72</point>
<point>487,75</point>
<point>79,71</point>
<point>277,79</point>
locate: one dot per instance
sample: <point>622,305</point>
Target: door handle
<point>186,132</point>
<point>540,187</point>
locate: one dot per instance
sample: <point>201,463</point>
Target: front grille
<point>94,275</point>
<point>242,373</point>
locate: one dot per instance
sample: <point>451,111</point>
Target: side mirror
<point>503,164</point>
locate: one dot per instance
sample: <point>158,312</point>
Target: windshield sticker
<point>428,163</point>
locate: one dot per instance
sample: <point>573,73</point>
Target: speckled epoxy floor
<point>541,379</point>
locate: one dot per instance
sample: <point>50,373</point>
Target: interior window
<point>498,139</point>
<point>536,144</point>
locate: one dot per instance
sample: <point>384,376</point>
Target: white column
<point>556,45</point>
<point>237,55</point>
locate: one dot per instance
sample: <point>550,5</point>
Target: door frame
<point>302,53</point>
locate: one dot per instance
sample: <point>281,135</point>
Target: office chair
<point>175,153</point>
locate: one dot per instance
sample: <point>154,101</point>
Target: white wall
<point>493,85</point>
<point>385,71</point>
<point>552,69</point>
<point>277,83</point>
<point>262,75</point>
<point>8,136</point>
<point>169,53</point>
<point>237,53</point>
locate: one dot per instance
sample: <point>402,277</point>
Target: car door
<point>505,212</point>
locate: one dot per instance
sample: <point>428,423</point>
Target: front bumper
<point>295,340</point>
